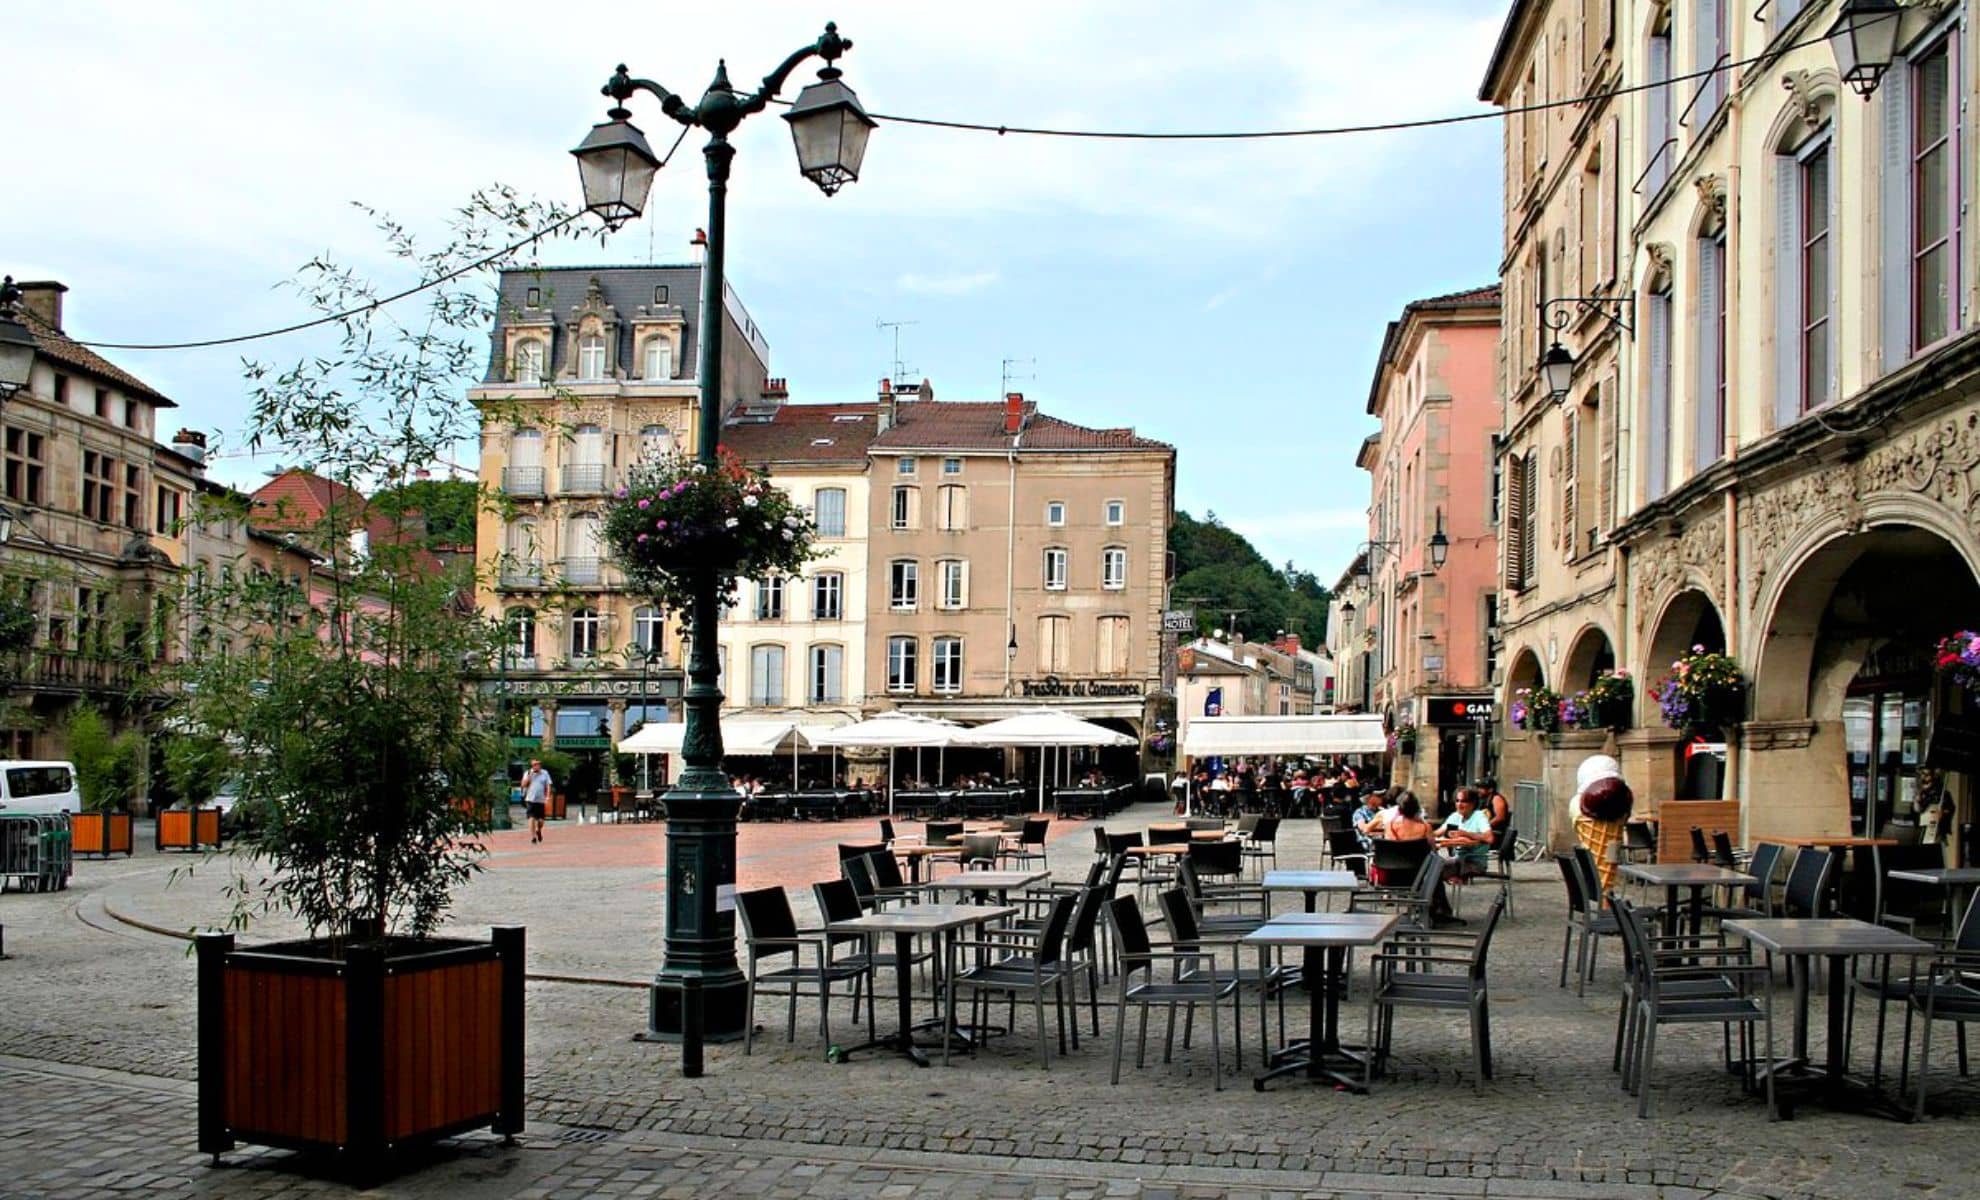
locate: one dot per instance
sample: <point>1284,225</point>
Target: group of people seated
<point>1479,819</point>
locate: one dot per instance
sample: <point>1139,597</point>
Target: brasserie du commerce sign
<point>1083,689</point>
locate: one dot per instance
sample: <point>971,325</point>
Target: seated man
<point>1369,818</point>
<point>1467,834</point>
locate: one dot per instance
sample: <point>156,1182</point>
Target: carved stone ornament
<point>1662,255</point>
<point>1662,566</point>
<point>1811,95</point>
<point>1712,197</point>
<point>1939,461</point>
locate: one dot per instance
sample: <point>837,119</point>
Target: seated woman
<point>1403,823</point>
<point>1467,834</point>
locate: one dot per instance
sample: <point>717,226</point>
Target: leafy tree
<point>449,507</point>
<point>1221,571</point>
<point>107,765</point>
<point>196,765</point>
<point>17,618</point>
<point>343,708</point>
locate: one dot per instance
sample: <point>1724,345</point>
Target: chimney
<point>43,298</point>
<point>1287,644</point>
<point>1013,412</point>
<point>700,243</point>
<point>191,443</point>
<point>776,389</point>
<point>884,420</point>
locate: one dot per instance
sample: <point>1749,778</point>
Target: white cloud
<point>945,285</point>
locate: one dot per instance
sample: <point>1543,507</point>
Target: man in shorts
<point>536,796</point>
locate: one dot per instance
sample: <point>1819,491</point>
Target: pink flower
<point>640,538</point>
<point>645,503</point>
<point>660,524</point>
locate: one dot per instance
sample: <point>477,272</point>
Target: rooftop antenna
<point>901,369</point>
<point>1009,374</point>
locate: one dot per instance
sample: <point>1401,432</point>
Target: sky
<point>1229,298</point>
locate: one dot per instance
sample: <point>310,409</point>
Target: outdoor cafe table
<point>1958,880</point>
<point>905,924</point>
<point>984,883</point>
<point>1838,939</point>
<point>1309,883</point>
<point>1195,835</point>
<point>1323,1056</point>
<point>914,855</point>
<point>1696,876</point>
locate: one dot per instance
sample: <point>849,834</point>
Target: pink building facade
<point>1431,469</point>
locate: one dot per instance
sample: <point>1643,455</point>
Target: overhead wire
<point>1772,52</point>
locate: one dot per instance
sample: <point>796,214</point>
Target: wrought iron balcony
<point>67,671</point>
<point>583,480</point>
<point>522,573</point>
<point>583,571</point>
<point>522,481</point>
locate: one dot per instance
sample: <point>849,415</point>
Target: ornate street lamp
<point>1557,371</point>
<point>1865,36</point>
<point>1440,545</point>
<point>698,993</point>
<point>17,344</point>
<point>1557,364</point>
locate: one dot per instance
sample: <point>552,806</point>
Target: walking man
<point>536,795</point>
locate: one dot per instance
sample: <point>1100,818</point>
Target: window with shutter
<point>1529,540</point>
<point>1787,290</point>
<point>1657,448</point>
<point>1709,395</point>
<point>1515,525</point>
<point>1605,495</point>
<point>1570,475</point>
<point>1657,132</point>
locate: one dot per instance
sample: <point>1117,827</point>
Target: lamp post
<point>1557,364</point>
<point>698,993</point>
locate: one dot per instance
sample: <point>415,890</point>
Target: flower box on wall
<point>358,1050</point>
<point>101,834</point>
<point>189,829</point>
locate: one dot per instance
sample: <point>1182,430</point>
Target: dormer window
<point>659,294</point>
<point>533,298</point>
<point>591,358</point>
<point>528,367</point>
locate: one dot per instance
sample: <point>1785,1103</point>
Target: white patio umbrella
<point>891,731</point>
<point>1044,728</point>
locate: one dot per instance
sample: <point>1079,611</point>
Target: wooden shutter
<point>1570,476</point>
<point>1787,290</point>
<point>1515,523</point>
<point>1894,97</point>
<point>1605,432</point>
<point>1705,424</point>
<point>1657,447</point>
<point>1529,539</point>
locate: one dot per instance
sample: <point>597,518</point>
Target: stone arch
<point>1524,670</point>
<point>1689,618</point>
<point>1590,653</point>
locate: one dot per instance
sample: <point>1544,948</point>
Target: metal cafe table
<point>1322,1057</point>
<point>1696,876</point>
<point>1309,883</point>
<point>905,924</point>
<point>1838,939</point>
<point>986,883</point>
<point>1960,881</point>
<point>914,855</point>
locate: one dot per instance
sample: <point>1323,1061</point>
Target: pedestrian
<point>1492,802</point>
<point>536,796</point>
<point>1601,808</point>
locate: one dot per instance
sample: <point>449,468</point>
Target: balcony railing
<point>522,481</point>
<point>522,573</point>
<point>583,480</point>
<point>67,670</point>
<point>583,571</point>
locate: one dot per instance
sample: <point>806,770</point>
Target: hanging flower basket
<point>1403,741</point>
<point>1958,658</point>
<point>1705,693</point>
<point>675,517</point>
<point>1609,701</point>
<point>1537,710</point>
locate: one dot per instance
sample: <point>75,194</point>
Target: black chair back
<point>939,832</point>
<point>1033,831</point>
<point>859,873</point>
<point>1086,918</point>
<point>1765,862</point>
<point>1344,845</point>
<point>981,848</point>
<point>1100,847</point>
<point>1399,860</point>
<point>886,870</point>
<point>1590,875</point>
<point>1180,916</point>
<point>1052,940</point>
<point>1571,876</point>
<point>1130,932</point>
<point>1116,866</point>
<point>1117,843</point>
<point>1169,837</point>
<point>1700,852</point>
<point>1484,946</point>
<point>1216,859</point>
<point>848,850</point>
<point>1639,837</point>
<point>766,917</point>
<point>837,901</point>
<point>1266,833</point>
<point>1807,889</point>
<point>1722,850</point>
<point>1967,940</point>
<point>1507,848</point>
<point>1902,897</point>
<point>887,830</point>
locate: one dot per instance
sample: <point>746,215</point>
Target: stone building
<point>1016,558</point>
<point>1793,458</point>
<point>79,483</point>
<point>590,368</point>
<point>1431,477</point>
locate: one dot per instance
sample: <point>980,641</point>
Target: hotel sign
<point>1083,689</point>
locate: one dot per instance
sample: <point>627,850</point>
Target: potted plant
<point>1536,709</point>
<point>1403,740</point>
<point>625,769</point>
<point>350,714</point>
<point>197,765</point>
<point>1704,693</point>
<point>106,774</point>
<point>1609,701</point>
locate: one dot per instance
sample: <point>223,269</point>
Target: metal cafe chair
<point>1193,978</point>
<point>1406,974</point>
<point>770,931</point>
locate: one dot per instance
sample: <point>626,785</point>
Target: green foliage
<point>1218,565</point>
<point>196,764</point>
<point>676,518</point>
<point>343,710</point>
<point>108,766</point>
<point>17,620</point>
<point>561,765</point>
<point>449,507</point>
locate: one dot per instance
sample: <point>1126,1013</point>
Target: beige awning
<point>1351,733</point>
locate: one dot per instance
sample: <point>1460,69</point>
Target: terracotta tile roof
<point>805,433</point>
<point>56,345</point>
<point>298,499</point>
<point>979,425</point>
<point>1469,298</point>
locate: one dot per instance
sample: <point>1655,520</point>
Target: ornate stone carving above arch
<point>1711,202</point>
<point>1810,106</point>
<point>1662,567</point>
<point>1658,273</point>
<point>1934,466</point>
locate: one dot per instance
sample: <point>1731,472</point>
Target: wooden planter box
<point>1677,818</point>
<point>101,833</point>
<point>189,828</point>
<point>389,1045</point>
<point>478,813</point>
<point>554,809</point>
<point>618,799</point>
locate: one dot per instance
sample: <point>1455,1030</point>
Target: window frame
<point>1109,557</point>
<point>529,353</point>
<point>837,592</point>
<point>1058,506</point>
<point>1942,45</point>
<point>952,467</point>
<point>761,655</point>
<point>945,655</point>
<point>1116,513</point>
<point>658,343</point>
<point>901,508</point>
<point>649,630</point>
<point>770,598</point>
<point>587,627</point>
<point>835,529</point>
<point>951,571</point>
<point>585,368</point>
<point>907,467</point>
<point>904,580</point>
<point>902,663</point>
<point>819,662</point>
<point>1063,558</point>
<point>1822,147</point>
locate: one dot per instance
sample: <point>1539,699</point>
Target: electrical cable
<point>448,277</point>
<point>1032,131</point>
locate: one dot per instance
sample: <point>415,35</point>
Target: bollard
<point>691,1027</point>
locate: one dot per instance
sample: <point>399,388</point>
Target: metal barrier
<point>1532,816</point>
<point>36,854</point>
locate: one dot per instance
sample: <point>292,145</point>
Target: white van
<point>38,788</point>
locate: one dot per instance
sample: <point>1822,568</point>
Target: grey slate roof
<point>624,288</point>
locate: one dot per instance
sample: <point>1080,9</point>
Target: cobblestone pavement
<point>96,1054</point>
